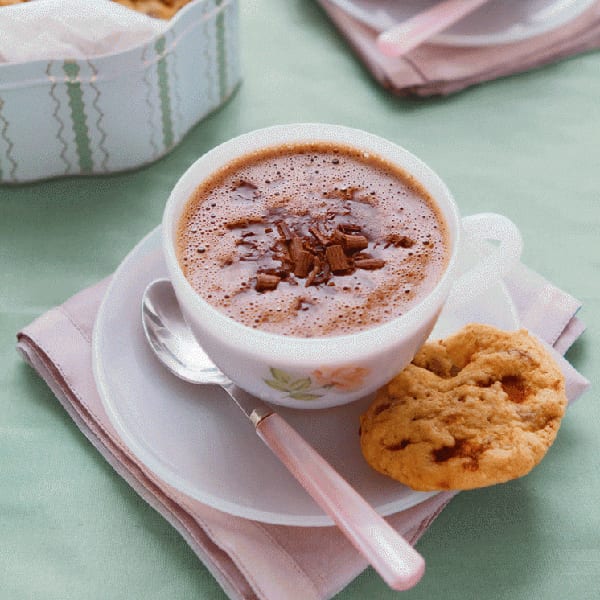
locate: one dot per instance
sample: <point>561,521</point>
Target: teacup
<point>320,372</point>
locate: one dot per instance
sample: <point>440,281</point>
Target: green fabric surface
<point>527,146</point>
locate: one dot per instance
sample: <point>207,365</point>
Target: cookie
<point>478,408</point>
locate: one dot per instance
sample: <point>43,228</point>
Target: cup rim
<point>309,350</point>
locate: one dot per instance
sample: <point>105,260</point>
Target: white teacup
<point>327,371</point>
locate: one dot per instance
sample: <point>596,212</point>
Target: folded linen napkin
<point>440,70</point>
<point>58,29</point>
<point>253,560</point>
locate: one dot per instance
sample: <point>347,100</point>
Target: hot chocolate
<point>312,240</point>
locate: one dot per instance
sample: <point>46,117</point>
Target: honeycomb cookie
<point>477,408</point>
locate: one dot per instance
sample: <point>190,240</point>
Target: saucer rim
<point>458,40</point>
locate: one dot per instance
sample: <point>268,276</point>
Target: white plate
<point>198,441</point>
<point>498,22</point>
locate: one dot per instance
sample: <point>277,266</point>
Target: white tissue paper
<point>71,29</point>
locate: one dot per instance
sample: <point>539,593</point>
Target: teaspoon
<point>409,34</point>
<point>398,563</point>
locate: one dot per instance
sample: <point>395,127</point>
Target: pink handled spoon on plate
<point>398,563</point>
<point>409,34</point>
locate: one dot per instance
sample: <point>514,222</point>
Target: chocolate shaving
<point>266,281</point>
<point>398,241</point>
<point>353,243</point>
<point>336,258</point>
<point>303,263</point>
<point>337,236</point>
<point>369,263</point>
<point>296,248</point>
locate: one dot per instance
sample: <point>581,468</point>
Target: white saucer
<point>198,441</point>
<point>498,22</point>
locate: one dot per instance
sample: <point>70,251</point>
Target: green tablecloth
<point>527,146</point>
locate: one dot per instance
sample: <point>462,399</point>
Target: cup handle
<point>497,260</point>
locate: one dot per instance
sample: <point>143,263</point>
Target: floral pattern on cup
<point>315,385</point>
<point>343,379</point>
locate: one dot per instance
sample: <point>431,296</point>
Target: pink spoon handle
<point>398,563</point>
<point>414,31</point>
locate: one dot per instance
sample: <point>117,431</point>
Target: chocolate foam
<point>373,241</point>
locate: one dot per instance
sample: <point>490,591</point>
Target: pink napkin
<point>251,559</point>
<point>433,70</point>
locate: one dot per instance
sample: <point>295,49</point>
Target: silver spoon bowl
<point>171,339</point>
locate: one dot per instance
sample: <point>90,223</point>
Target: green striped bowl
<point>120,111</point>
